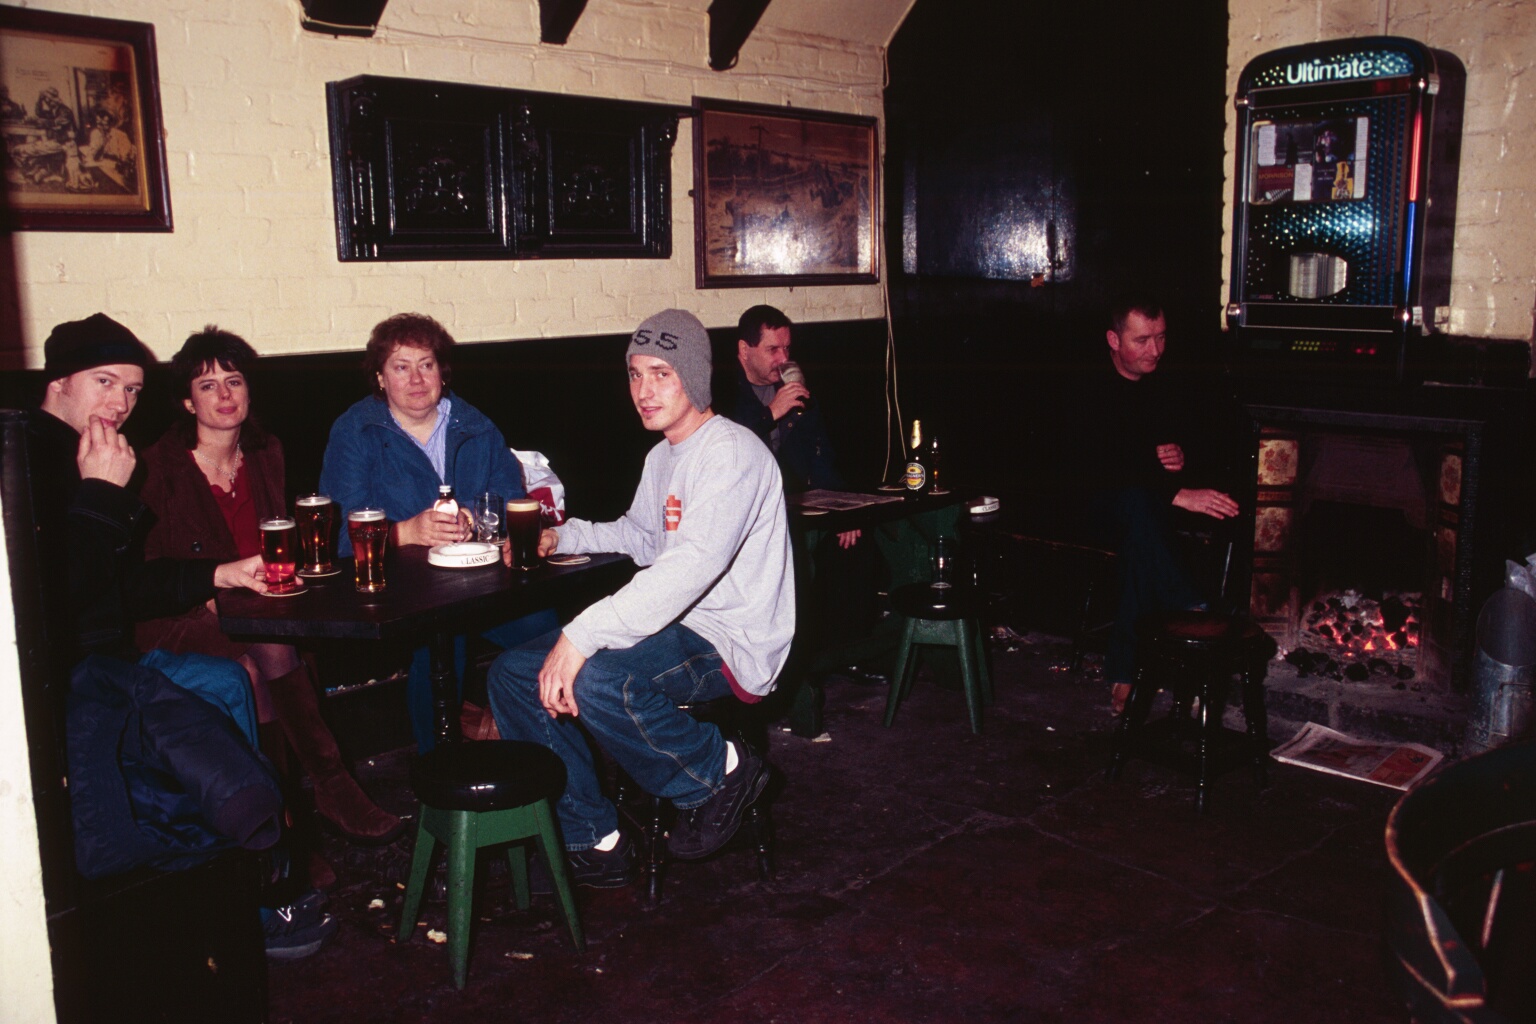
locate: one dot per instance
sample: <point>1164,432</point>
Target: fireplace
<point>1363,544</point>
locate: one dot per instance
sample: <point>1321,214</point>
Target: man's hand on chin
<point>557,679</point>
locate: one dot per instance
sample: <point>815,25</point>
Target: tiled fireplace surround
<point>1289,438</point>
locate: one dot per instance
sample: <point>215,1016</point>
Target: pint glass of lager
<point>369,530</point>
<point>316,515</point>
<point>280,554</point>
<point>523,531</point>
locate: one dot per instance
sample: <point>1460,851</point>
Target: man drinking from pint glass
<point>710,614</point>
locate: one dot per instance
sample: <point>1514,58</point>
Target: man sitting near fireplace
<point>1134,433</point>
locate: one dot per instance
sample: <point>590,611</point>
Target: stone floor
<point>925,874</point>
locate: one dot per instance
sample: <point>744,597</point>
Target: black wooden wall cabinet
<point>439,171</point>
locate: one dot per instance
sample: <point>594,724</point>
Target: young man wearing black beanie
<point>710,614</point>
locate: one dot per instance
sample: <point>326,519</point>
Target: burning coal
<point>1347,635</point>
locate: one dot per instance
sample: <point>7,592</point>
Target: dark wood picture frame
<point>784,196</point>
<point>80,115</point>
<point>438,170</point>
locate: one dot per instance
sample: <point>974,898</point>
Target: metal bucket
<point>1502,706</point>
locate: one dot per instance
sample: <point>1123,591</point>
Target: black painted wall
<point>1081,142</point>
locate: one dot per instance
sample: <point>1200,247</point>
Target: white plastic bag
<point>541,482</point>
<point>1521,577</point>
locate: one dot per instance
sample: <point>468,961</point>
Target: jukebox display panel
<point>1338,147</point>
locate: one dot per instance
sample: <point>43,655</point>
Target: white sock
<point>608,842</point>
<point>731,759</point>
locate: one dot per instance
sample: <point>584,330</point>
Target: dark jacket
<point>90,535</point>
<point>370,461</point>
<point>805,456</point>
<point>188,522</point>
<point>157,775</point>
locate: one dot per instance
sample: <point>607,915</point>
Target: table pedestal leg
<point>445,696</point>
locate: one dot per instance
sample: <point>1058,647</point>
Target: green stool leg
<point>421,861</point>
<point>981,662</point>
<point>560,871</point>
<point>461,891</point>
<point>965,647</point>
<point>517,861</point>
<point>899,677</point>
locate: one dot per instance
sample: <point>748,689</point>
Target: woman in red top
<point>211,479</point>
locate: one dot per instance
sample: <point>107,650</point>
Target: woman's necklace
<point>229,474</point>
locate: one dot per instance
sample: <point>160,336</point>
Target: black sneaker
<point>702,830</point>
<point>298,930</point>
<point>594,868</point>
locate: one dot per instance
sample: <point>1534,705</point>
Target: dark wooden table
<point>904,531</point>
<point>422,600</point>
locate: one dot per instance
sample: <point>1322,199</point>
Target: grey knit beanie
<point>676,337</point>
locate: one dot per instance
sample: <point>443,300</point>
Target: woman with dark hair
<point>210,480</point>
<point>394,449</point>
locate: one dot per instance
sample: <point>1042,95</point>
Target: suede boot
<point>338,797</point>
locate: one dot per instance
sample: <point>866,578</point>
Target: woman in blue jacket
<point>394,449</point>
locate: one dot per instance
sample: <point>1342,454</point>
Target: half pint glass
<point>316,515</point>
<point>279,554</point>
<point>369,530</point>
<point>523,531</point>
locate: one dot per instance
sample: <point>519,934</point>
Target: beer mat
<point>892,488</point>
<point>813,511</point>
<point>319,574</point>
<point>938,491</point>
<point>468,555</point>
<point>293,592</point>
<point>568,559</point>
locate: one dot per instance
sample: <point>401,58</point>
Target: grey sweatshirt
<point>708,524</point>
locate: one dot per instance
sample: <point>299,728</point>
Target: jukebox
<point>1344,206</point>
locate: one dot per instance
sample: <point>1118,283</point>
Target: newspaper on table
<point>1395,765</point>
<point>838,501</point>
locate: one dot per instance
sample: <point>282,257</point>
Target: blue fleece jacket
<point>370,461</point>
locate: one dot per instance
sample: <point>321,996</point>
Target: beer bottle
<point>446,502</point>
<point>918,478</point>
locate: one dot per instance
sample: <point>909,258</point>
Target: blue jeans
<point>628,701</point>
<point>223,683</point>
<point>418,684</point>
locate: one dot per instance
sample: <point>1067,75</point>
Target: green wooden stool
<point>940,617</point>
<point>479,794</point>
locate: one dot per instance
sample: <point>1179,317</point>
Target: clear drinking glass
<point>488,520</point>
<point>944,567</point>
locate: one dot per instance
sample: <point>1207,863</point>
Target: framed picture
<point>80,115</point>
<point>783,196</point>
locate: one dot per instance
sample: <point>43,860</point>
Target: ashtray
<point>984,505</point>
<point>467,555</point>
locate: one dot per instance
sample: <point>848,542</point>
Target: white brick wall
<point>243,93</point>
<point>1493,284</point>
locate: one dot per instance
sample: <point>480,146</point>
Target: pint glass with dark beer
<point>523,531</point>
<point>280,554</point>
<point>368,529</point>
<point>316,515</point>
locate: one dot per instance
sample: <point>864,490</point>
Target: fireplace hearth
<point>1363,543</point>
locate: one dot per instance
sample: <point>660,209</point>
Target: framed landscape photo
<point>784,196</point>
<point>80,116</point>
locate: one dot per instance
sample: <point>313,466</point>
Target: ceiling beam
<point>730,23</point>
<point>557,18</point>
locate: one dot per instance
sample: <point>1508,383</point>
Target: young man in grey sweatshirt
<point>711,613</point>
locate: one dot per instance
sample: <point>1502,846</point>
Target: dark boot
<point>338,797</point>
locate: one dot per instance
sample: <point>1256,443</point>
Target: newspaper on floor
<point>1395,765</point>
